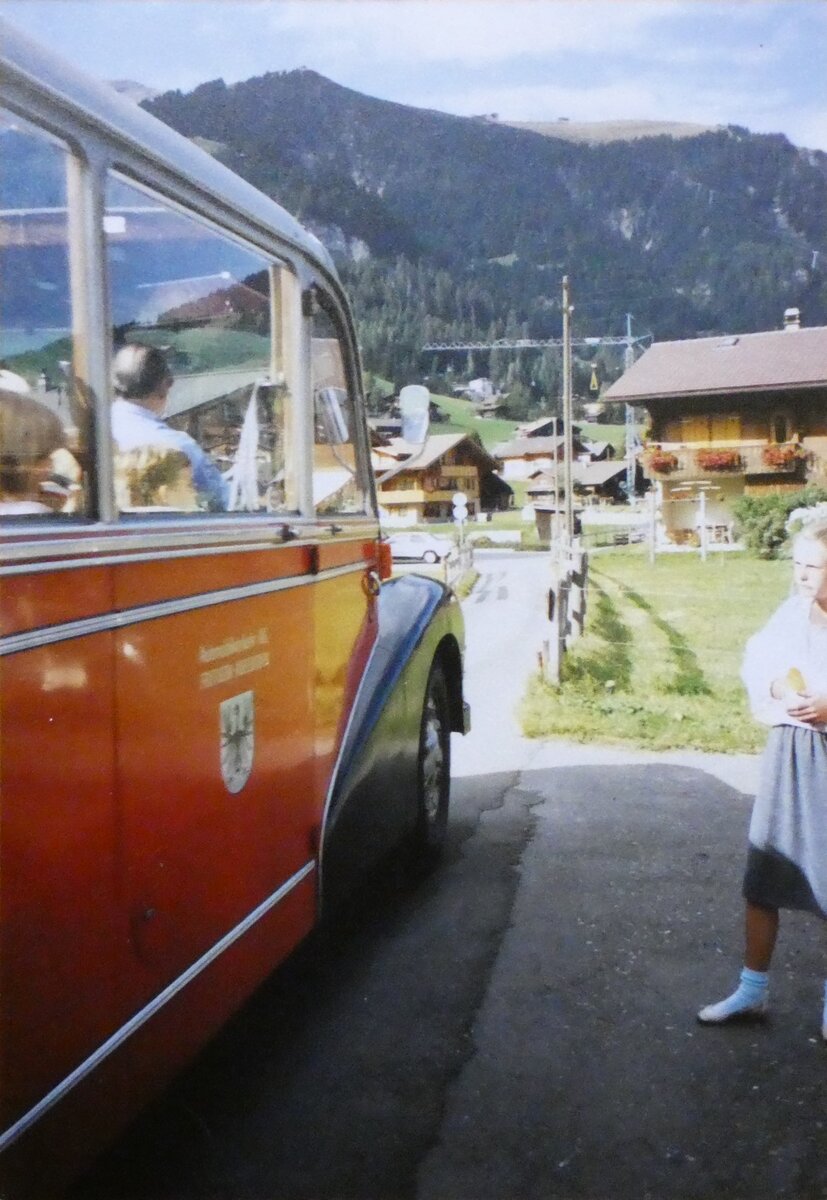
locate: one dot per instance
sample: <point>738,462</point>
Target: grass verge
<point>658,665</point>
<point>466,584</point>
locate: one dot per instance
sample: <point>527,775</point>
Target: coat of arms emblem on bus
<point>237,740</point>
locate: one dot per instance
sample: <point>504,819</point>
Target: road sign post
<point>460,506</point>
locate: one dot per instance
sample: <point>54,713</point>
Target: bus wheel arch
<point>433,770</point>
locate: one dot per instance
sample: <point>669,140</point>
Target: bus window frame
<point>88,365</point>
<point>361,439</point>
<point>309,288</point>
<point>93,154</point>
<point>281,268</point>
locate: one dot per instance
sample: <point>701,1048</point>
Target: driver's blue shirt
<point>134,426</point>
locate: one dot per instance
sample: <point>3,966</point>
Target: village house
<point>523,457</point>
<point>592,481</point>
<point>730,416</point>
<point>485,397</point>
<point>554,427</point>
<point>541,427</point>
<point>477,390</point>
<point>423,490</point>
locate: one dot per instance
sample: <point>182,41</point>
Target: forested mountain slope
<point>452,227</point>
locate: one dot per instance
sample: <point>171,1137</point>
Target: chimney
<point>792,318</point>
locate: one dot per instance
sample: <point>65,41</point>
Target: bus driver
<point>141,380</point>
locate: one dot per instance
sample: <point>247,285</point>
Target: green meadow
<point>658,665</point>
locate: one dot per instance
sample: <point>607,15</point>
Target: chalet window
<point>725,427</point>
<point>711,427</point>
<point>782,427</point>
<point>694,429</point>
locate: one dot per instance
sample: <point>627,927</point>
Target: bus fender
<point>371,803</point>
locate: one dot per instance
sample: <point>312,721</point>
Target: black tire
<point>433,772</point>
<point>430,556</point>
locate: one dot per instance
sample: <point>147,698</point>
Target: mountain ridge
<point>452,227</point>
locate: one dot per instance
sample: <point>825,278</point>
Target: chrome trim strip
<point>116,560</point>
<point>120,1036</point>
<point>14,643</point>
<point>144,538</point>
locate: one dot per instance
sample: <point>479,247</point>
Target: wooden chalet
<point>731,416</point>
<point>424,490</point>
<point>522,457</point>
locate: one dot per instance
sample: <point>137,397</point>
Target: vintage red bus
<point>214,711</point>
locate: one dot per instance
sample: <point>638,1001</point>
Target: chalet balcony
<point>432,486</point>
<point>391,496</point>
<point>679,462</point>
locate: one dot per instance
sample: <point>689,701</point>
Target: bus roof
<point>42,71</point>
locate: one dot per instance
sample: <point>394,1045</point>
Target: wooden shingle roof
<point>524,447</point>
<point>436,447</point>
<point>749,362</point>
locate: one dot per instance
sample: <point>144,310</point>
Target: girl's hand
<point>809,708</point>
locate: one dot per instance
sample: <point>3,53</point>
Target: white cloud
<point>750,62</point>
<point>473,32</point>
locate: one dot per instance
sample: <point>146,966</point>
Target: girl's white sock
<point>748,1000</point>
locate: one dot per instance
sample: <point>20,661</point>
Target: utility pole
<point>629,358</point>
<point>568,439</point>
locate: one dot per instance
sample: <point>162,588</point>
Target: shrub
<point>762,520</point>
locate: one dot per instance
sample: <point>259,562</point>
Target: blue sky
<point>758,63</point>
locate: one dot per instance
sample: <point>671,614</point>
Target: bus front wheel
<point>433,770</point>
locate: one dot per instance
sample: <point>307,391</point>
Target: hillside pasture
<point>463,418</point>
<point>597,133</point>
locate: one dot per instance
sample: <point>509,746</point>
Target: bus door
<point>214,657</point>
<point>344,602</point>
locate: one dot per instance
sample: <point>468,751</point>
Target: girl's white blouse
<point>789,639</point>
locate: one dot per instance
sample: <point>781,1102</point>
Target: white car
<point>420,547</point>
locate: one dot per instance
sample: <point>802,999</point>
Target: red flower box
<point>784,455</point>
<point>719,460</point>
<point>660,461</point>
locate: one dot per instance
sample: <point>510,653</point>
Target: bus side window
<point>212,437</point>
<point>336,484</point>
<point>44,409</point>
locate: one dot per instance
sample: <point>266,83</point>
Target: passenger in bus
<point>31,435</point>
<point>154,477</point>
<point>141,380</point>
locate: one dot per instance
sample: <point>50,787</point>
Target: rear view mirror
<point>415,407</point>
<point>332,416</point>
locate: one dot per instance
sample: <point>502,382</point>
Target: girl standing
<point>785,674</point>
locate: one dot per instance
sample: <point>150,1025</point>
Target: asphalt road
<point>520,1026</point>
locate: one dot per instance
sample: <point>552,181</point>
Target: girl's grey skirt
<point>787,858</point>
